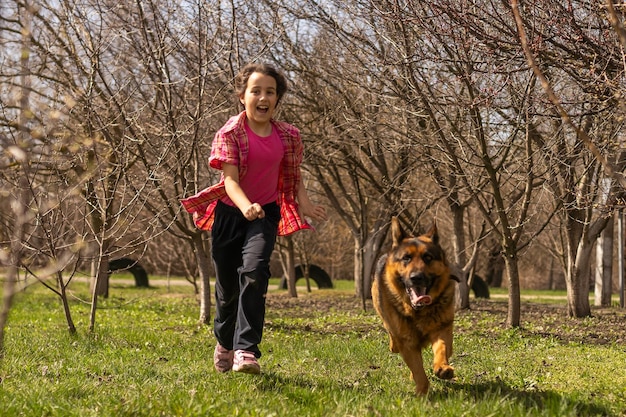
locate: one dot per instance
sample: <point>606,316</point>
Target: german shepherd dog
<point>413,293</point>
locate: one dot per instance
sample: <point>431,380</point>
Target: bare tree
<point>84,157</point>
<point>181,89</point>
<point>546,149</point>
<point>25,173</point>
<point>358,150</point>
<point>12,257</point>
<point>414,122</point>
<point>426,110</point>
<point>580,191</point>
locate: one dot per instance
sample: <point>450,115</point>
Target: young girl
<point>260,195</point>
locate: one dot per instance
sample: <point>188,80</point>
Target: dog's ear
<point>433,234</point>
<point>397,233</point>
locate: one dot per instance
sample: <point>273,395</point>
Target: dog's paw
<point>421,388</point>
<point>445,372</point>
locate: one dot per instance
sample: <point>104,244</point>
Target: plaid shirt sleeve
<point>225,146</point>
<point>224,149</point>
<point>289,180</point>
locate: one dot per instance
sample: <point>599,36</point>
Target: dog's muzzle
<point>417,289</point>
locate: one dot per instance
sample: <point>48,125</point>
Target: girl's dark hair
<point>241,80</point>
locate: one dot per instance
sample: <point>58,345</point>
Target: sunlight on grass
<point>323,355</point>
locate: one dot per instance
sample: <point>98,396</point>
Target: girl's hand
<point>306,207</point>
<point>316,212</point>
<point>254,211</point>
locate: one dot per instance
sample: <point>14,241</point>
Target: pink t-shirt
<point>231,146</point>
<point>264,158</point>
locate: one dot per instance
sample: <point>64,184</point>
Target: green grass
<point>546,296</point>
<point>323,356</point>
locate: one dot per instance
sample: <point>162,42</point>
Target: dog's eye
<point>406,259</point>
<point>427,258</point>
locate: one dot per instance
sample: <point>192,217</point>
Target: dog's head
<point>420,264</point>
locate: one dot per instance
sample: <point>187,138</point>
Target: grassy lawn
<point>323,356</point>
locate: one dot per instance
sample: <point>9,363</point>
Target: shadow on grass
<point>489,392</point>
<point>271,381</point>
<point>529,400</point>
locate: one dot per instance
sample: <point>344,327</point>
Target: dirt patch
<point>605,326</point>
<point>315,303</point>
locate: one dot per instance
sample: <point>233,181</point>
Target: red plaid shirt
<point>231,146</point>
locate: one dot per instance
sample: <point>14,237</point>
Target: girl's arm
<point>314,211</point>
<point>250,210</point>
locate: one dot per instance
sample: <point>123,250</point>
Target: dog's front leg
<point>442,350</point>
<point>413,359</point>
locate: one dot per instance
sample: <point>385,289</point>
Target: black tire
<point>127,264</point>
<point>480,287</point>
<point>317,274</point>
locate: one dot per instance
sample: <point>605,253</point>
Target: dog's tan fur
<point>416,261</point>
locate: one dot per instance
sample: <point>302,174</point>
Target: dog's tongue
<point>419,297</point>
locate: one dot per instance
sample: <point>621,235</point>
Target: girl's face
<point>259,100</point>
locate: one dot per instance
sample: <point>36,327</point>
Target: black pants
<point>241,251</point>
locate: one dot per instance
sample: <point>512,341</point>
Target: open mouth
<point>262,109</point>
<point>419,296</point>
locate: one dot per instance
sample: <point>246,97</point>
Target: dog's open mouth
<point>419,296</point>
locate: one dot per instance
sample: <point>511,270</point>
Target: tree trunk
<point>604,267</point>
<point>359,283</point>
<point>204,268</point>
<point>369,262</point>
<point>99,269</point>
<point>495,267</point>
<point>99,282</point>
<point>620,240</point>
<point>287,256</point>
<point>66,305</point>
<point>364,261</point>
<point>578,280</point>
<point>580,244</point>
<point>460,259</point>
<point>512,270</point>
<point>99,274</point>
<point>290,267</point>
